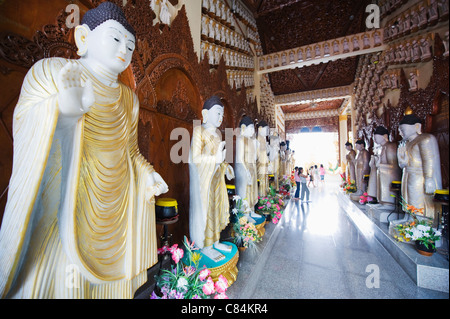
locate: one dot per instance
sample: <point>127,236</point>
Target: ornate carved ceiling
<point>287,24</point>
<point>311,107</point>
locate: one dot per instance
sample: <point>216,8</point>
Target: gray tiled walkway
<point>317,252</point>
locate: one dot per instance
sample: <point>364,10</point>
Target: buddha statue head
<point>212,112</point>
<point>360,145</point>
<point>381,135</point>
<point>105,39</point>
<point>348,146</point>
<point>263,128</point>
<point>247,127</point>
<point>410,126</point>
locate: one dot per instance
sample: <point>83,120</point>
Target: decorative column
<point>343,138</point>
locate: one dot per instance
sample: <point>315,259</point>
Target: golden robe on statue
<point>422,162</point>
<point>209,205</point>
<point>263,166</point>
<point>83,231</point>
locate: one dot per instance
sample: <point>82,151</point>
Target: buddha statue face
<point>109,45</point>
<point>380,139</point>
<point>359,147</point>
<point>213,116</point>
<point>248,130</point>
<point>408,131</point>
<point>263,131</point>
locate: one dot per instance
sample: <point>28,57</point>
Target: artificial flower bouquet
<point>350,186</point>
<point>245,232</point>
<point>271,204</point>
<point>187,281</point>
<point>292,179</point>
<point>365,198</point>
<point>344,180</point>
<point>423,233</point>
<point>419,229</point>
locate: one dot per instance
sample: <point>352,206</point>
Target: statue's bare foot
<point>253,214</point>
<point>222,247</point>
<point>250,219</point>
<point>213,254</point>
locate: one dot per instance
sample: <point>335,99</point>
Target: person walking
<point>322,174</point>
<point>297,182</point>
<point>316,176</point>
<point>305,188</point>
<point>311,176</point>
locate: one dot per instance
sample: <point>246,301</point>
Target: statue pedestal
<point>355,196</point>
<point>260,222</point>
<point>383,213</point>
<point>226,267</point>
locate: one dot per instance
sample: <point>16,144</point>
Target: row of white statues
<point>209,205</point>
<point>415,162</point>
<point>79,220</point>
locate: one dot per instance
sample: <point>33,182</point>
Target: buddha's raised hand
<point>74,99</point>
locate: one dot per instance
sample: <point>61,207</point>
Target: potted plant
<point>187,280</point>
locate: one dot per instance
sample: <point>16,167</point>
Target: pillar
<point>343,138</point>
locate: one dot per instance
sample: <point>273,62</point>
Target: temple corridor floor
<point>317,252</point>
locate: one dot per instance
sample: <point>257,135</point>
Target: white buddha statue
<point>418,156</point>
<point>262,163</point>
<point>283,149</point>
<point>209,205</point>
<point>81,196</point>
<point>245,165</point>
<point>274,157</point>
<point>350,158</point>
<point>386,168</point>
<point>361,167</point>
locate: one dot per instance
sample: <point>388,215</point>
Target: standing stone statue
<point>361,167</point>
<point>350,158</point>
<point>418,156</point>
<point>209,205</point>
<point>263,159</point>
<point>80,221</point>
<point>245,165</point>
<point>386,167</point>
<point>274,156</point>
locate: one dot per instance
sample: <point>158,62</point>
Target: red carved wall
<point>165,73</point>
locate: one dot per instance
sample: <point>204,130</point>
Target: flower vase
<point>242,248</point>
<point>423,250</point>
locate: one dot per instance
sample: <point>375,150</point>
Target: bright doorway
<point>315,148</point>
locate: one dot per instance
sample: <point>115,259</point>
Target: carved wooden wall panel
<point>20,47</point>
<point>428,104</point>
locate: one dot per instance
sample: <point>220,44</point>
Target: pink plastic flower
<point>162,250</point>
<point>221,296</point>
<point>221,284</point>
<point>171,249</point>
<point>275,220</point>
<point>204,274</point>
<point>208,287</point>
<point>177,254</point>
